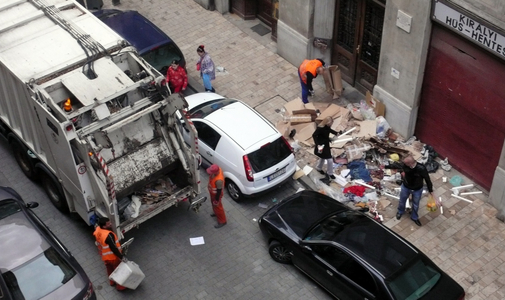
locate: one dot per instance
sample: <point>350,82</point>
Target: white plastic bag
<point>382,126</point>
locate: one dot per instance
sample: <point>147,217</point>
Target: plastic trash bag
<point>432,204</point>
<point>366,111</point>
<point>382,127</point>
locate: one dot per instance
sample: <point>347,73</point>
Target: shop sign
<point>470,28</point>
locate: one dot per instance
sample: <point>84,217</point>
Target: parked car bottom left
<point>34,264</point>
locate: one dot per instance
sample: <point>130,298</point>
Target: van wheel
<point>233,190</point>
<point>23,160</point>
<point>54,193</point>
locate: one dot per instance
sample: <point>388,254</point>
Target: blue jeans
<point>416,198</point>
<point>305,90</point>
<point>206,82</point>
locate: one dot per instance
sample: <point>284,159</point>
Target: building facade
<point>437,65</point>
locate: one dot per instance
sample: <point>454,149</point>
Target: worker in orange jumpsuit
<point>308,70</point>
<point>216,184</point>
<point>109,248</point>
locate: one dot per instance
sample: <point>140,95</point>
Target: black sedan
<point>33,262</point>
<point>349,254</point>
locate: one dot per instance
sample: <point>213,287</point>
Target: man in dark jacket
<point>413,174</point>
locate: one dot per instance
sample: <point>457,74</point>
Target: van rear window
<point>205,109</point>
<point>269,155</point>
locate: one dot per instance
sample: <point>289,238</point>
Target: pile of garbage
<point>131,206</point>
<point>367,144</point>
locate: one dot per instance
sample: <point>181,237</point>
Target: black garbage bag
<point>431,165</point>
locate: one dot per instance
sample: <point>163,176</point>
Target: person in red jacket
<point>308,70</point>
<point>177,79</point>
<point>109,248</point>
<point>215,187</point>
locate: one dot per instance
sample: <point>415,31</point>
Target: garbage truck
<point>86,116</point>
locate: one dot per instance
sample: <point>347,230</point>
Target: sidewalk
<point>467,241</point>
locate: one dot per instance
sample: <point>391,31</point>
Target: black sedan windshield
<point>414,282</point>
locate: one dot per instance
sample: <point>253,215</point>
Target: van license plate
<point>276,174</point>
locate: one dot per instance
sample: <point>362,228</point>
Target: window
<point>163,56</point>
<point>269,155</point>
<point>203,110</point>
<point>207,135</point>
<point>347,266</point>
<point>8,207</point>
<point>39,276</point>
<point>414,282</point>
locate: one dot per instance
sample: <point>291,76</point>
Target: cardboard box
<point>378,107</point>
<point>333,80</point>
<point>305,111</point>
<point>297,119</point>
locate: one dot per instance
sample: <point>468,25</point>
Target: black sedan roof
<point>369,240</point>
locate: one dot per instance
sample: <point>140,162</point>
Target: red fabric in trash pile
<point>357,190</point>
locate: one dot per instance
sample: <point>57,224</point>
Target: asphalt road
<point>232,264</point>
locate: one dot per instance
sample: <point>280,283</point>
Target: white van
<point>254,156</point>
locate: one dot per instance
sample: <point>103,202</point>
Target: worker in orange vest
<point>308,70</point>
<point>109,248</point>
<point>216,184</point>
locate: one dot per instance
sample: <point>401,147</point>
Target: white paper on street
<point>307,169</point>
<point>196,241</point>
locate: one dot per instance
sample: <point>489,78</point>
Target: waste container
<point>91,4</point>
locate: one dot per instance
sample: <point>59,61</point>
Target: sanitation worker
<point>216,184</point>
<point>308,70</point>
<point>109,248</point>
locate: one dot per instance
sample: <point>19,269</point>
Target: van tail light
<point>89,292</point>
<point>462,297</point>
<point>248,169</point>
<point>287,143</point>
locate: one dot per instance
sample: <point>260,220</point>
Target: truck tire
<point>24,161</point>
<point>54,193</point>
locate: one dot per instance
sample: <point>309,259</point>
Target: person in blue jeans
<point>308,70</point>
<point>413,175</point>
<point>206,67</point>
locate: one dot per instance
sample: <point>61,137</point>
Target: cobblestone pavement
<point>468,242</point>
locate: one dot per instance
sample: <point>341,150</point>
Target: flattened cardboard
<point>304,133</point>
<point>378,107</point>
<point>331,111</point>
<point>368,128</point>
<point>336,81</point>
<point>327,81</point>
<point>283,128</point>
<point>321,106</point>
<point>295,104</point>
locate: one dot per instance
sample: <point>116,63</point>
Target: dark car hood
<point>301,211</point>
<point>134,28</point>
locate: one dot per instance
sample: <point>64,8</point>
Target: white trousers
<point>329,165</point>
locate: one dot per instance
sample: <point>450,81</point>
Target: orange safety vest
<point>309,66</point>
<point>101,235</point>
<point>212,185</point>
